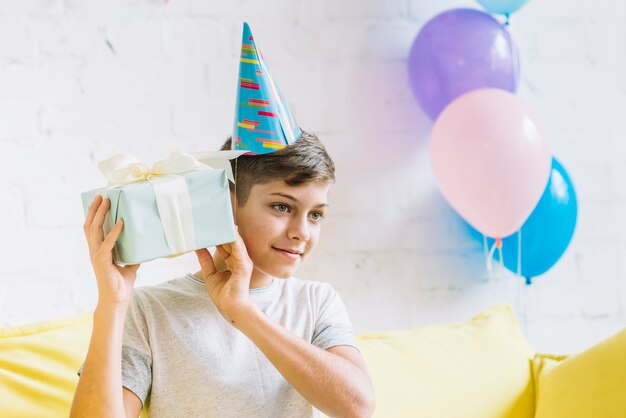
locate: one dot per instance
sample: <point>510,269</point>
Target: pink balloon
<point>490,160</point>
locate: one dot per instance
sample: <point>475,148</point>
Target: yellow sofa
<point>480,368</point>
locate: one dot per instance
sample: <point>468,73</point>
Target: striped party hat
<point>263,122</point>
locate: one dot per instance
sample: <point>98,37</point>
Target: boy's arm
<point>335,381</point>
<point>99,391</point>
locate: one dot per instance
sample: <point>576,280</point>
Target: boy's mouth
<point>292,254</point>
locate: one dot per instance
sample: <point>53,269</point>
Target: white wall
<point>82,80</point>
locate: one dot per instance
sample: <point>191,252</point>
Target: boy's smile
<point>280,226</point>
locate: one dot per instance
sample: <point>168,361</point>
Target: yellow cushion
<point>543,364</point>
<point>38,364</point>
<point>589,384</point>
<point>479,368</point>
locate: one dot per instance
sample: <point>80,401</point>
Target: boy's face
<point>280,225</point>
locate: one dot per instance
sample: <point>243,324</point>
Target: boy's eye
<point>317,216</point>
<point>281,207</point>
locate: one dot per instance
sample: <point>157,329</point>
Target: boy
<point>241,337</point>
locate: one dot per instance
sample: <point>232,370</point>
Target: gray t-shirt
<point>185,360</point>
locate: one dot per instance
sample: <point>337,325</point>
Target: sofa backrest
<point>479,368</point>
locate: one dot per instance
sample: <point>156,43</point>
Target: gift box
<point>176,206</point>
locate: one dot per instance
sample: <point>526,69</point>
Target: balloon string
<point>524,285</point>
<point>506,22</point>
<point>521,304</point>
<point>486,252</point>
<point>496,245</point>
<point>519,252</point>
<point>527,279</point>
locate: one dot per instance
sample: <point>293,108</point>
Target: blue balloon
<point>547,232</point>
<point>502,7</point>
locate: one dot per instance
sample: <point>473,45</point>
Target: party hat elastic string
<point>236,198</point>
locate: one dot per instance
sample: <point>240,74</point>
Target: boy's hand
<point>228,288</point>
<point>115,283</point>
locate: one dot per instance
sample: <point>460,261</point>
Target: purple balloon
<point>458,51</point>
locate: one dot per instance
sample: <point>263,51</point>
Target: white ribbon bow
<point>124,169</point>
<point>170,188</point>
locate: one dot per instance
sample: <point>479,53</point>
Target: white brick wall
<point>83,79</point>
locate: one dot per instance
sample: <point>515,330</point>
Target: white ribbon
<point>219,159</point>
<point>122,169</point>
<point>174,205</point>
<point>170,188</point>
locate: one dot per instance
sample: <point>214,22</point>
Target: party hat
<point>263,122</point>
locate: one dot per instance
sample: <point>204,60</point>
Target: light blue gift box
<point>143,238</point>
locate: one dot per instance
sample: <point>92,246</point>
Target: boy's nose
<point>299,230</point>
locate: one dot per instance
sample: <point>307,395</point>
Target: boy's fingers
<point>96,233</point>
<point>206,261</point>
<point>221,252</point>
<point>238,249</point>
<point>132,267</point>
<point>235,252</point>
<point>91,213</point>
<point>229,258</point>
<point>111,238</point>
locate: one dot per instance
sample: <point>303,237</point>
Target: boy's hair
<point>306,160</point>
